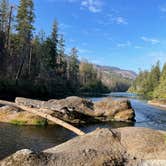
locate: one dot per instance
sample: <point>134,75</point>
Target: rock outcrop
<point>74,110</point>
<point>119,110</point>
<point>118,147</point>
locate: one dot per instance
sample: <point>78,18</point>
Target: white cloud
<point>150,40</point>
<point>120,20</point>
<point>93,6</point>
<point>138,47</point>
<point>84,51</point>
<point>162,9</point>
<point>126,44</point>
<point>72,1</point>
<point>64,26</point>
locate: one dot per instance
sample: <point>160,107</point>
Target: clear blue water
<point>13,138</point>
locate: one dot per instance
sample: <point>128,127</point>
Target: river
<point>13,138</point>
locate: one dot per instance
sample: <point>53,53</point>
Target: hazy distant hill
<point>121,72</point>
<point>115,78</point>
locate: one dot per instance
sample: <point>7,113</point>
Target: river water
<point>13,138</point>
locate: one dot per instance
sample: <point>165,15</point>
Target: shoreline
<point>157,103</point>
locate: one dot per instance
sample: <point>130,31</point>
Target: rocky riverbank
<point>158,103</point>
<point>128,146</point>
<point>74,110</point>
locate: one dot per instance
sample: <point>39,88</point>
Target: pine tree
<point>54,34</point>
<point>73,66</point>
<point>4,9</point>
<point>87,73</point>
<point>24,27</point>
<point>61,60</point>
<point>4,12</point>
<point>25,20</point>
<point>50,50</point>
<point>154,77</point>
<point>160,90</point>
<point>54,38</point>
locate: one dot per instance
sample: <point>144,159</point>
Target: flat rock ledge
<point>130,146</point>
<point>74,110</point>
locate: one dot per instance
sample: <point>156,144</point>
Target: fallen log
<point>45,115</point>
<point>73,110</point>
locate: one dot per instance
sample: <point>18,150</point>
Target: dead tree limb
<point>38,112</point>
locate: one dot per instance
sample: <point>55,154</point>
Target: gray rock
<point>125,146</point>
<point>79,110</point>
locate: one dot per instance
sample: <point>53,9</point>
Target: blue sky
<point>129,34</point>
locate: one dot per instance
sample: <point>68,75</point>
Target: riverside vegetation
<point>37,65</point>
<point>151,83</point>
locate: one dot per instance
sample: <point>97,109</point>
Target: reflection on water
<point>13,138</point>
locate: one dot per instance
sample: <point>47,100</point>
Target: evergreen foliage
<point>38,65</point>
<point>151,83</point>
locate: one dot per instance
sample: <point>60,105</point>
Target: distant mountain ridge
<point>115,78</point>
<point>122,72</point>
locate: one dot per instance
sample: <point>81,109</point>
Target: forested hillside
<point>37,65</point>
<point>151,83</point>
<point>118,80</point>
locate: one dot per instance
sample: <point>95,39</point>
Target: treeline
<point>37,65</point>
<point>151,83</point>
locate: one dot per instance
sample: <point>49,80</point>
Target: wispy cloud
<point>138,47</point>
<point>64,26</point>
<point>125,44</point>
<point>84,51</point>
<point>70,1</point>
<point>116,18</point>
<point>93,6</point>
<point>162,8</point>
<point>150,40</point>
<point>120,20</point>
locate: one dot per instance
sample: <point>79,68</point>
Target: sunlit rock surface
<point>74,110</point>
<point>128,146</point>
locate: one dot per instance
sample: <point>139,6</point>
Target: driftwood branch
<point>38,112</point>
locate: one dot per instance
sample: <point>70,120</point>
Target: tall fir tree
<point>50,50</point>
<point>61,60</point>
<point>154,77</point>
<point>24,27</point>
<point>73,66</point>
<point>4,14</point>
<point>160,90</point>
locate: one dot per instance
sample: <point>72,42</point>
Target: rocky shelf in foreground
<point>74,110</point>
<point>128,146</point>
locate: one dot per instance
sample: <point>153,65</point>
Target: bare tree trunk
<point>19,71</point>
<point>8,29</point>
<point>45,115</point>
<point>30,59</point>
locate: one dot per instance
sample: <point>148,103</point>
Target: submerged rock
<point>74,110</point>
<point>118,147</point>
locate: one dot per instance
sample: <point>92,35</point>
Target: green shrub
<point>18,122</point>
<point>41,122</point>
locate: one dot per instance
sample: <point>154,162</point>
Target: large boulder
<point>119,110</point>
<point>74,110</point>
<point>118,147</point>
